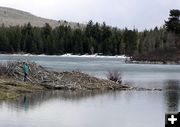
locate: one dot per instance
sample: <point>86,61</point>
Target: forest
<point>154,44</point>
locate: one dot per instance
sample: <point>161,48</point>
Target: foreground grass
<point>11,89</point>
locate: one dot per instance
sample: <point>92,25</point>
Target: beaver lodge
<point>74,80</point>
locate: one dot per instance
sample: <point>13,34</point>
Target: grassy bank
<point>11,89</point>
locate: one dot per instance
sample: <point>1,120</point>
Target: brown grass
<point>10,89</point>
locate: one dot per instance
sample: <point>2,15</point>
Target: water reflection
<point>30,101</point>
<point>172,96</point>
<point>92,109</point>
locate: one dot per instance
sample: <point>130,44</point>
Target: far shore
<point>67,55</point>
<point>127,59</point>
<point>154,62</point>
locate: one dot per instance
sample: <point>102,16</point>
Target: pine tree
<point>173,24</point>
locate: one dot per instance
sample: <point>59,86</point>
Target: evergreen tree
<point>173,24</point>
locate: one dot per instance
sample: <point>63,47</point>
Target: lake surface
<point>108,109</point>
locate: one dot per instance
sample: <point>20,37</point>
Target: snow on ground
<point>94,55</point>
<point>69,55</point>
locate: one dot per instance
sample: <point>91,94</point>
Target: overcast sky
<point>140,14</point>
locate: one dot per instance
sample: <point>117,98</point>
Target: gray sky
<point>121,13</point>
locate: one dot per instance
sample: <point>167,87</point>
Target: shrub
<point>114,76</point>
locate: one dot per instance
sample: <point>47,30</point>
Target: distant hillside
<point>13,17</point>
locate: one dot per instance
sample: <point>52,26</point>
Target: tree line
<point>94,38</point>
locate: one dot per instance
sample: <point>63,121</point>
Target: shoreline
<point>153,62</point>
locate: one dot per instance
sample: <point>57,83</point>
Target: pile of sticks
<point>56,80</point>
